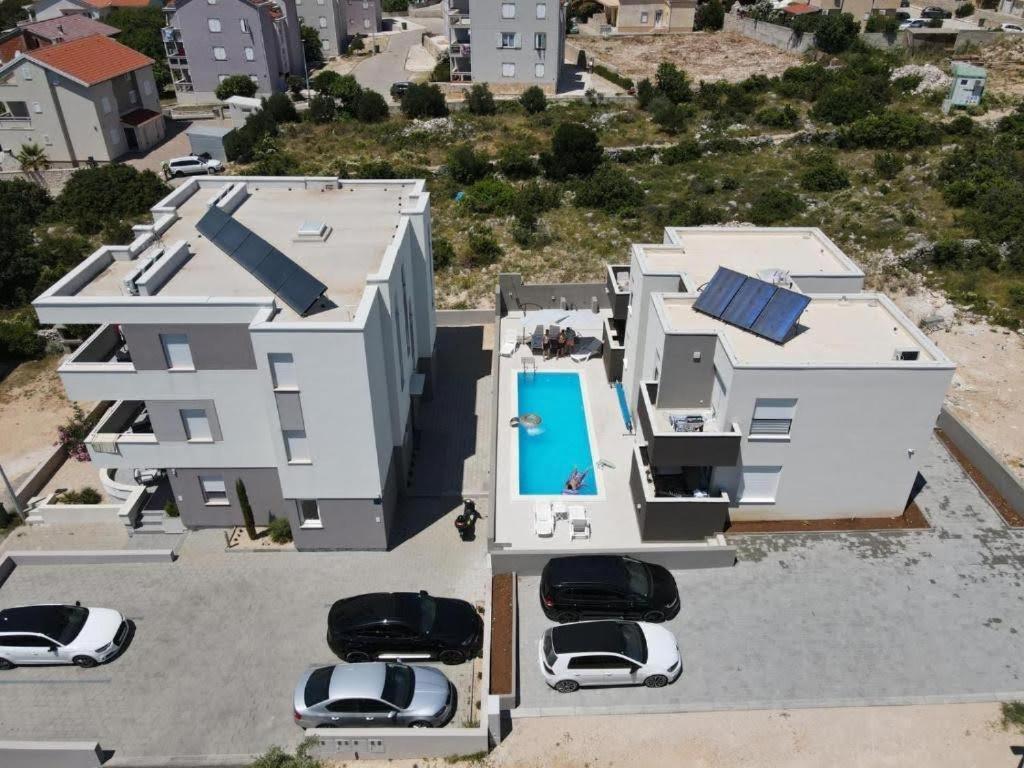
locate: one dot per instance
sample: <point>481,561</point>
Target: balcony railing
<point>127,422</point>
<point>459,49</point>
<point>707,447</point>
<point>613,335</point>
<point>9,121</point>
<point>665,513</point>
<point>617,286</point>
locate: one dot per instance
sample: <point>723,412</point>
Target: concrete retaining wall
<point>516,295</point>
<point>50,754</point>
<point>89,557</point>
<point>395,744</point>
<point>63,514</point>
<point>775,35</point>
<point>530,562</point>
<point>998,474</point>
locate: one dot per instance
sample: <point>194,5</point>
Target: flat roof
<point>863,329</point>
<point>361,218</point>
<point>698,252</point>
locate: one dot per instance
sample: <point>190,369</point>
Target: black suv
<point>406,625</point>
<point>591,586</point>
<point>934,12</point>
<point>398,89</point>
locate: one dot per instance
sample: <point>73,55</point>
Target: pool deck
<point>612,519</point>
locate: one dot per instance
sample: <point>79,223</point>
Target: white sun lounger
<point>509,343</point>
<point>579,522</point>
<point>543,520</point>
<point>586,350</point>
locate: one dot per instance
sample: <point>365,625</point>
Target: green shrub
<point>845,103</point>
<point>484,248</point>
<point>778,117</point>
<point>490,196</point>
<point>610,189</point>
<point>683,152</point>
<point>886,24</point>
<point>611,76</point>
<point>803,82</point>
<point>442,72</point>
<point>645,93</point>
<point>961,125</point>
<point>533,100</point>
<point>235,85</point>
<point>296,85</point>
<point>964,10</point>
<point>371,107</point>
<point>118,231</point>
<point>835,33</point>
<point>395,6</point>
<point>23,205</point>
<point>444,253</point>
<point>87,495</point>
<point>775,206</point>
<point>322,109</point>
<point>1013,715</point>
<point>357,44</point>
<point>575,151</point>
<point>710,16</point>
<point>888,165</point>
<point>95,196</point>
<point>533,199</point>
<point>281,108</point>
<point>171,509</point>
<point>672,83</point>
<point>423,100</point>
<point>891,130</point>
<point>516,163</point>
<point>668,116</point>
<point>480,100</point>
<point>965,255</point>
<point>19,340</point>
<point>823,174</point>
<point>465,165</point>
<point>280,530</point>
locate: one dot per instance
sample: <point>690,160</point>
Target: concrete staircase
<point>157,521</point>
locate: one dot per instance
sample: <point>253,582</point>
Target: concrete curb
<point>183,761</point>
<point>90,557</point>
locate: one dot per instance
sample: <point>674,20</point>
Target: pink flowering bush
<point>71,435</point>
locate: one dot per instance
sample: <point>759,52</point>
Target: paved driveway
<point>221,639</point>
<point>837,619</point>
<point>378,72</point>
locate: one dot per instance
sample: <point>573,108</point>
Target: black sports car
<point>404,625</point>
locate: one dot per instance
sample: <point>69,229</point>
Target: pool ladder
<point>529,365</point>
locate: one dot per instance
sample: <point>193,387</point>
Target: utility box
<point>208,140</point>
<point>967,87</point>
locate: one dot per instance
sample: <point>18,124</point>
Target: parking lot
<point>221,640</point>
<point>836,619</point>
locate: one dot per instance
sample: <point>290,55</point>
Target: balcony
<point>121,432</point>
<point>617,286</point>
<point>705,446</point>
<point>102,353</point>
<point>459,49</point>
<point>613,335</point>
<point>667,511</point>
<point>9,121</point>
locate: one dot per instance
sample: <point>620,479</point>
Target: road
<point>380,71</point>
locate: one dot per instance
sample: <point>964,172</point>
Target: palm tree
<point>32,158</point>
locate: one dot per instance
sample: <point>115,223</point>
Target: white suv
<point>192,166</point>
<point>587,653</point>
<point>60,634</point>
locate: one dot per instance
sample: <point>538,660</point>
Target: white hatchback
<point>589,653</point>
<point>60,634</point>
<point>193,166</point>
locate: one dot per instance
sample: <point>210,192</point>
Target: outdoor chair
<point>509,343</point>
<point>579,522</point>
<point>587,349</point>
<point>537,340</point>
<point>543,520</point>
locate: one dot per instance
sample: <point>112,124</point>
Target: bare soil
<point>911,518</point>
<point>1004,61</point>
<point>1010,516</point>
<point>502,641</point>
<point>703,56</point>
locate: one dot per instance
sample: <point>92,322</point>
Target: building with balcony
<point>42,10</point>
<point>90,99</point>
<point>267,333</point>
<point>207,42</point>
<point>508,45</point>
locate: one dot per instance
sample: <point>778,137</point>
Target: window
<point>540,41</point>
<point>244,25</point>
<point>213,24</point>
<point>255,79</point>
<point>309,513</point>
<point>366,5</point>
<point>197,425</point>
<point>26,72</point>
<point>177,352</point>
<point>542,10</point>
<point>211,2</point>
<point>508,70</point>
<point>215,493</point>
<point>366,23</point>
<point>325,44</point>
<point>147,87</point>
<point>598,662</point>
<point>772,416</point>
<point>319,2</point>
<point>508,10</point>
<point>643,17</point>
<point>115,136</point>
<point>37,107</point>
<point>105,104</point>
<point>26,641</point>
<point>323,22</point>
<point>506,39</point>
<point>296,446</point>
<point>759,484</point>
<point>133,96</point>
<point>538,70</point>
<point>219,53</point>
<point>250,54</point>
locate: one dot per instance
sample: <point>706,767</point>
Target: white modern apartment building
<point>273,331</point>
<point>510,45</point>
<point>830,421</point>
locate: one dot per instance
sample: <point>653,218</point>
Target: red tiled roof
<point>12,45</point>
<point>70,27</point>
<point>90,60</point>
<point>117,3</point>
<point>138,116</point>
<point>799,9</point>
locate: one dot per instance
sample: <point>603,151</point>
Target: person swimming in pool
<point>575,481</point>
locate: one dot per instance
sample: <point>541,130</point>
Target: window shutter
<point>519,40</point>
<point>774,408</point>
<point>760,483</point>
<point>499,40</point>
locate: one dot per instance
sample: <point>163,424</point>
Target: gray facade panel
<point>165,416</point>
<point>215,347</point>
<point>675,519</point>
<point>261,485</point>
<point>289,410</point>
<point>685,382</point>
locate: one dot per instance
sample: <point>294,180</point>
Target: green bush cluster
<point>484,248</point>
<point>823,174</point>
<point>775,207</point>
<point>516,163</point>
<point>465,165</point>
<point>18,338</point>
<point>235,85</point>
<point>614,77</point>
<point>490,196</point>
<point>87,495</point>
<point>533,100</point>
<point>610,189</point>
<point>480,100</point>
<point>710,16</point>
<point>682,152</point>
<point>280,530</point>
<point>778,117</point>
<point>575,151</point>
<point>340,95</point>
<point>423,100</point>
<point>891,130</point>
<point>888,165</point>
<point>444,253</point>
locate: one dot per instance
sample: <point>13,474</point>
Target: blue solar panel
<point>779,317</point>
<point>212,222</point>
<point>746,305</point>
<point>719,292</point>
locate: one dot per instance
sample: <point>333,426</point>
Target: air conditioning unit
<point>776,276</point>
<point>907,354</point>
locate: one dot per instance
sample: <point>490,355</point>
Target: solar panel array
<point>751,304</point>
<point>285,279</point>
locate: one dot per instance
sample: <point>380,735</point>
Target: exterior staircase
<point>157,521</point>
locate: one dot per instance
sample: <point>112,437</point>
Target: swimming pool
<point>549,452</point>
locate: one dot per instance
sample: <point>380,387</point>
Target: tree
<point>140,29</point>
<point>345,88</point>
<point>11,12</point>
<point>823,174</point>
<point>645,93</point>
<point>480,100</point>
<point>371,107</point>
<point>516,163</point>
<point>466,166</point>
<point>610,189</point>
<point>243,504</point>
<point>575,151</point>
<point>357,44</point>
<point>281,108</point>
<point>322,109</point>
<point>710,16</point>
<point>847,102</point>
<point>312,48</point>
<point>296,85</point>
<point>533,100</point>
<point>422,100</point>
<point>32,158</point>
<point>673,83</point>
<point>836,32</point>
<point>235,85</point>
<point>670,117</point>
<point>275,757</point>
<point>95,196</point>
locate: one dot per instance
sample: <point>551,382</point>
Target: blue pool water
<point>548,453</point>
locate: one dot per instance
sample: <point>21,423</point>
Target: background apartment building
<point>96,9</point>
<point>859,9</point>
<point>39,34</point>
<point>828,422</point>
<point>508,45</point>
<point>210,40</point>
<point>84,100</point>
<point>638,16</point>
<point>338,21</point>
<point>277,332</point>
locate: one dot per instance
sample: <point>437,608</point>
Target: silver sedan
<point>374,695</point>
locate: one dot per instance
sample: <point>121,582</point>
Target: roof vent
<point>313,230</point>
<point>907,354</point>
<point>776,276</point>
